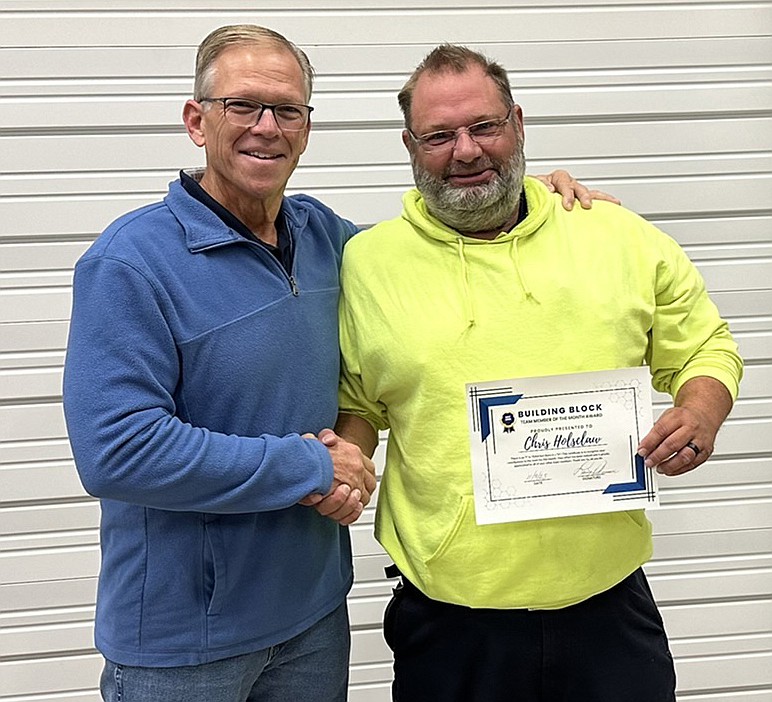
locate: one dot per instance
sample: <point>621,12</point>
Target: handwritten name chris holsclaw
<point>535,441</point>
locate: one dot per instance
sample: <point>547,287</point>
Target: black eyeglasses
<point>480,132</point>
<point>247,113</point>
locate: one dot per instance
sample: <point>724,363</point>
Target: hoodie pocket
<point>450,535</point>
<point>637,517</point>
<point>214,566</point>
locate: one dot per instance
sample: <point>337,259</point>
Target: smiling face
<point>471,187</point>
<point>247,169</point>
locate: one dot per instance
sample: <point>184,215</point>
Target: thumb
<point>328,437</point>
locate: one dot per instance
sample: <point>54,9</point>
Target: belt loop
<point>392,571</point>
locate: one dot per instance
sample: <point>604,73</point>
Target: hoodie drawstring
<point>469,309</point>
<point>468,302</point>
<point>520,278</point>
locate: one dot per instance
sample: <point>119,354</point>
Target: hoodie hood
<point>540,203</point>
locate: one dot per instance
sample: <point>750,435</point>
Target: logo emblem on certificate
<point>560,445</point>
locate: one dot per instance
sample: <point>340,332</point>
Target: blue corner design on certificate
<point>640,479</point>
<point>487,402</point>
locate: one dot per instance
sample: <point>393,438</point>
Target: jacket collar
<point>204,230</point>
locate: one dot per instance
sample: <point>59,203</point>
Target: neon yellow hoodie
<point>425,310</point>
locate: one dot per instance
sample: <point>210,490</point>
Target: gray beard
<point>476,208</point>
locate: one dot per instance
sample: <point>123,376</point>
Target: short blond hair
<point>243,35</point>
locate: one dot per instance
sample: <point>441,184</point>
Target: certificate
<point>560,445</point>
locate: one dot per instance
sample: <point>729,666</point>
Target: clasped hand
<point>353,481</point>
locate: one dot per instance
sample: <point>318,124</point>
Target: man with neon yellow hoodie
<point>484,276</point>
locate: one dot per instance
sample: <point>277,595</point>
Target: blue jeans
<point>312,666</point>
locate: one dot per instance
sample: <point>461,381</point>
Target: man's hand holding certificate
<point>560,445</point>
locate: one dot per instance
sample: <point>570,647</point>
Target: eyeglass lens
<point>247,113</point>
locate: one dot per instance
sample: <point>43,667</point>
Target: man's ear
<point>406,140</point>
<point>306,135</point>
<point>517,116</point>
<point>193,117</point>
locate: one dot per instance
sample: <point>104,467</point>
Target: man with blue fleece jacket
<point>202,361</point>
<point>203,344</point>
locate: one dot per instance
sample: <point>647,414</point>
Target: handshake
<point>353,481</point>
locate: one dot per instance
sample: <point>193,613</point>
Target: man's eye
<point>242,106</point>
<point>289,112</point>
<point>437,138</point>
<point>484,128</point>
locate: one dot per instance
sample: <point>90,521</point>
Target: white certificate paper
<point>560,445</point>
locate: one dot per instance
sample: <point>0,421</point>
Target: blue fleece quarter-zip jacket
<point>194,364</point>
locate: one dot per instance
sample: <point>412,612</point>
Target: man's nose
<point>266,123</point>
<point>466,149</point>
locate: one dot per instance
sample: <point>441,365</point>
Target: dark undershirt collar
<point>283,251</point>
<point>522,209</point>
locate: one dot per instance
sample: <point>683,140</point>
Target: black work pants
<point>610,648</point>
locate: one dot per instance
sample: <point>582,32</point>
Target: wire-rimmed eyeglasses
<point>245,113</point>
<point>445,139</point>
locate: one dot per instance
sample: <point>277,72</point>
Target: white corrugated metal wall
<point>666,104</point>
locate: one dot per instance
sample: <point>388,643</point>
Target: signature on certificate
<point>592,470</point>
<point>537,477</point>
